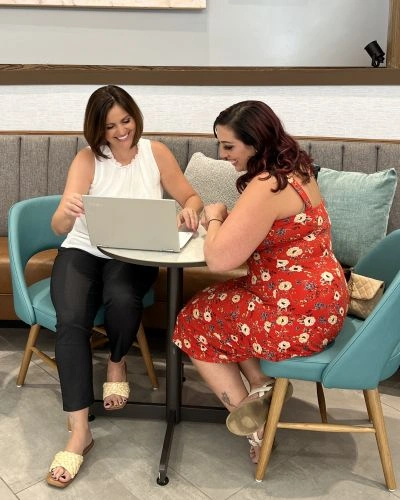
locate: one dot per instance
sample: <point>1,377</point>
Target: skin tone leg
<point>252,371</point>
<point>225,380</point>
<point>80,438</point>
<point>116,372</point>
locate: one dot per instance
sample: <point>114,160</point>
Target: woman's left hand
<point>188,217</point>
<point>217,211</point>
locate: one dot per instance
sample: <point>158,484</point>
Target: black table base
<point>157,411</point>
<point>172,410</point>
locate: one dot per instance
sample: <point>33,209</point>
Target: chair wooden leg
<point>31,342</point>
<point>322,403</point>
<point>375,408</point>
<point>367,405</point>
<point>275,409</point>
<point>144,349</point>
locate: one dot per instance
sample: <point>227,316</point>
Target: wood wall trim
<point>80,132</point>
<point>59,74</point>
<point>199,134</point>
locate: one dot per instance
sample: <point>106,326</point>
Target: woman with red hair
<point>293,300</point>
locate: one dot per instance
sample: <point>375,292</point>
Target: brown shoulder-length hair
<point>97,108</point>
<point>278,154</point>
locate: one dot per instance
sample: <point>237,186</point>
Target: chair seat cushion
<point>312,367</point>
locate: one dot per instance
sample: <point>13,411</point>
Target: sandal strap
<point>264,389</point>
<point>117,388</point>
<point>254,439</point>
<point>69,461</point>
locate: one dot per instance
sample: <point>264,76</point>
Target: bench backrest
<point>36,164</point>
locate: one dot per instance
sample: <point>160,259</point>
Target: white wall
<point>226,33</point>
<point>331,111</point>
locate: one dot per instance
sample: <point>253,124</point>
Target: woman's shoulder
<point>263,181</point>
<point>156,146</point>
<point>161,152</point>
<point>85,153</point>
<point>84,158</point>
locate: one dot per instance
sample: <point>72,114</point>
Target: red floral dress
<point>292,302</point>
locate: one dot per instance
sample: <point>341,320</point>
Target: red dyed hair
<point>278,154</point>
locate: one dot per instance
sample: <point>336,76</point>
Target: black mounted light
<point>376,53</point>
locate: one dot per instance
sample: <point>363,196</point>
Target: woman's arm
<point>79,179</point>
<point>173,181</point>
<point>230,243</point>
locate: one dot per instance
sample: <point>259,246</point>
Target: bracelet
<point>219,220</point>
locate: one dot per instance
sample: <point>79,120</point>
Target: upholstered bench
<point>37,164</point>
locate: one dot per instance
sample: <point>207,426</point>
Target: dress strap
<point>300,191</point>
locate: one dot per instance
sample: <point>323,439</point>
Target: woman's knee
<point>123,303</point>
<point>73,326</point>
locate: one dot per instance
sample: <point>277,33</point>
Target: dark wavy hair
<point>97,108</point>
<point>278,154</point>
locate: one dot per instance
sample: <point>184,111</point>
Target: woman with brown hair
<point>119,162</point>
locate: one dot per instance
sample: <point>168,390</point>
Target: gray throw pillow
<point>214,180</point>
<point>358,205</point>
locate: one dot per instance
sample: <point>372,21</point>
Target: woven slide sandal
<point>118,389</point>
<point>251,415</point>
<point>69,461</point>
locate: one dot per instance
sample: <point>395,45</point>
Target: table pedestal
<point>173,410</point>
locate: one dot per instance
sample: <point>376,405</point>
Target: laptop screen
<point>134,223</point>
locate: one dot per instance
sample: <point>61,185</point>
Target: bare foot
<point>116,372</point>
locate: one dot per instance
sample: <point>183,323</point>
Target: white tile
<point>206,461</point>
<point>5,492</point>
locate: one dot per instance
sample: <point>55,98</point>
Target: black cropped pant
<point>80,283</point>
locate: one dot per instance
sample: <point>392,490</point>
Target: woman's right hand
<point>79,179</point>
<point>73,205</point>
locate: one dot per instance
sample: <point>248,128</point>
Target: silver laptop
<point>137,224</point>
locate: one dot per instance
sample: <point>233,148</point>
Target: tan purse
<point>364,293</point>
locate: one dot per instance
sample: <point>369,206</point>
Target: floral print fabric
<point>292,302</point>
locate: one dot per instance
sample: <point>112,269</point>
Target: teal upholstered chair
<point>29,232</point>
<point>364,353</point>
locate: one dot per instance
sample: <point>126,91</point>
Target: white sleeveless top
<point>139,179</point>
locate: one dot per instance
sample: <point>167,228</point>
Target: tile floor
<point>206,461</point>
